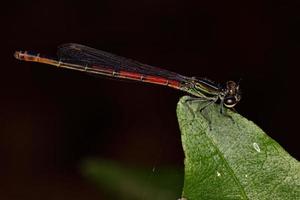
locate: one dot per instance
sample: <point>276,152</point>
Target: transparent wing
<point>77,53</point>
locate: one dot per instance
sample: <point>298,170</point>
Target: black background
<point>52,118</point>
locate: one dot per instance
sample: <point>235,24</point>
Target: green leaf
<point>229,157</point>
<point>130,183</point>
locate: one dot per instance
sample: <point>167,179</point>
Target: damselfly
<point>82,58</point>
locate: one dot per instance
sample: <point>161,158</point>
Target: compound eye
<point>230,102</point>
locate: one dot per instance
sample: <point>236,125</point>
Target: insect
<point>82,58</point>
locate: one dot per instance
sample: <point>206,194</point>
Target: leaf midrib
<point>228,167</point>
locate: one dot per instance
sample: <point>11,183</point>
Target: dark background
<point>51,119</point>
